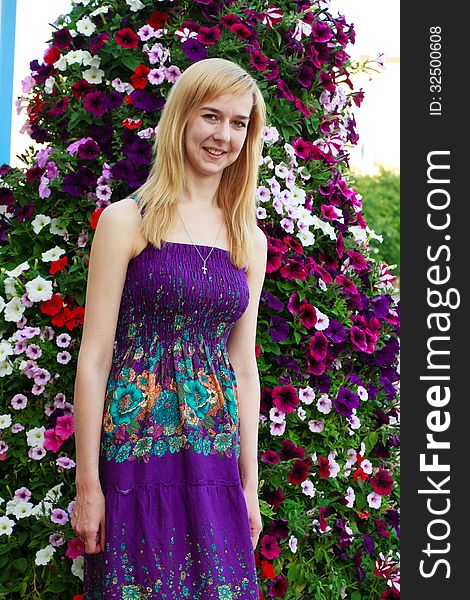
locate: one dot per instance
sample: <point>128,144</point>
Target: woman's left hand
<point>254,515</point>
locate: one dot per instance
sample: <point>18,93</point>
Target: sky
<point>376,23</point>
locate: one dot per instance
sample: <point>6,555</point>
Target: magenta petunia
<point>382,483</point>
<point>318,346</point>
<point>307,315</point>
<point>89,150</point>
<point>285,398</point>
<point>94,103</point>
<point>127,38</point>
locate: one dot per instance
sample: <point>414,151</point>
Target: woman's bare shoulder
<point>125,216</point>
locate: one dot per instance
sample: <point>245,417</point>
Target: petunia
<point>318,346</point>
<point>127,38</point>
<point>345,401</point>
<point>323,467</point>
<point>94,103</point>
<point>382,483</point>
<point>285,398</point>
<point>194,50</point>
<point>89,150</point>
<point>279,329</point>
<point>140,76</point>
<point>146,100</point>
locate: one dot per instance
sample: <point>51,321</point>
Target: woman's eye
<point>237,122</point>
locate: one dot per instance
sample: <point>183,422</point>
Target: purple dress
<point>176,518</point>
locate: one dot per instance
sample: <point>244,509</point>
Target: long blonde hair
<point>204,81</point>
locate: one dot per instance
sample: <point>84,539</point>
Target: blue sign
<point>7,53</point>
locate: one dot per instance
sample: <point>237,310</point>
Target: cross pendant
<point>204,269</point>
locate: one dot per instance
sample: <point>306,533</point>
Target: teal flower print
<point>143,446</point>
<point>125,404</point>
<point>225,592</point>
<point>222,442</point>
<point>160,447</point>
<point>132,592</point>
<point>123,452</point>
<point>166,410</point>
<point>197,397</point>
<point>232,404</point>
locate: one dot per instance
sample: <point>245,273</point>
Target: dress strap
<point>134,197</point>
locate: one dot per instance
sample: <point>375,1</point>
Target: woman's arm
<point>241,349</point>
<point>111,250</point>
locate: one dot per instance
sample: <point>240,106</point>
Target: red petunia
<point>95,217</point>
<point>382,483</point>
<point>323,467</point>
<point>52,55</point>
<point>140,76</point>
<point>58,265</point>
<point>53,306</point>
<point>127,38</point>
<point>132,123</point>
<point>158,20</point>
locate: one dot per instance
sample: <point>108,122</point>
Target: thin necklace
<point>204,268</point>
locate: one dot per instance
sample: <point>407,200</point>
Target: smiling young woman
<point>167,388</point>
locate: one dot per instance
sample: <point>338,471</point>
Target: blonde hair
<point>236,195</point>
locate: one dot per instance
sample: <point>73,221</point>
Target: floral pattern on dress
<point>194,406</point>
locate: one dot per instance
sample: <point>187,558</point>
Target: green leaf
<point>21,564</point>
<point>56,586</point>
<point>356,595</point>
<point>131,61</point>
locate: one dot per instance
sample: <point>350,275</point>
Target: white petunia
<point>56,229</point>
<point>306,238</point>
<point>86,26</point>
<point>14,310</point>
<point>135,5</point>
<point>6,526</point>
<point>39,289</point>
<point>5,350</point>
<point>360,234</point>
<point>52,254</point>
<point>74,57</point>
<point>24,266</point>
<point>102,10</point>
<point>49,85</point>
<point>23,509</point>
<point>324,226</point>
<point>5,421</point>
<point>39,222</point>
<point>93,75</point>
<point>44,555</point>
<point>77,567</point>
<point>35,436</point>
<point>90,60</point>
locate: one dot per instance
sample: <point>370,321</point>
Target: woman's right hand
<point>88,518</point>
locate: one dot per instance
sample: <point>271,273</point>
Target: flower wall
<point>327,340</point>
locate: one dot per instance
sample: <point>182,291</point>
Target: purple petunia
<point>113,100</point>
<point>138,151</point>
<point>336,332</point>
<point>94,103</point>
<point>89,150</point>
<point>279,329</point>
<point>147,101</point>
<point>345,402</point>
<point>194,50</point>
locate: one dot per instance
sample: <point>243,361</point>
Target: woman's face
<point>220,125</point>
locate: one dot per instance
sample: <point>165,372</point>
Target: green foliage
<point>381,202</point>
